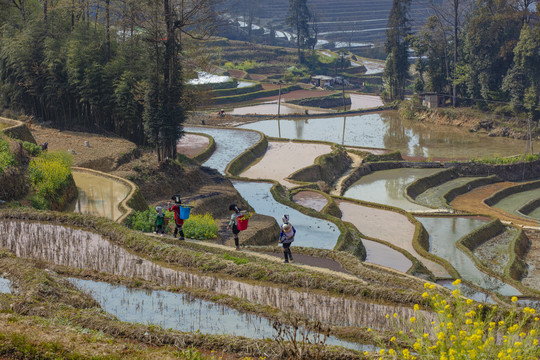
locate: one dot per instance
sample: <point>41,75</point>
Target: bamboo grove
<point>106,65</point>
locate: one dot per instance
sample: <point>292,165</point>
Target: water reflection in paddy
<point>388,130</point>
<point>183,312</point>
<point>444,232</point>
<point>271,108</point>
<point>229,144</point>
<point>310,232</point>
<point>98,195</point>
<point>514,202</point>
<point>388,187</point>
<point>5,286</point>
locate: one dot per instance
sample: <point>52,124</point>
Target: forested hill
<point>338,20</point>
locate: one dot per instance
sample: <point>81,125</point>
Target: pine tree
<point>298,18</point>
<point>396,70</point>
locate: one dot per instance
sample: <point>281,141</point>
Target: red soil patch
<point>239,74</point>
<point>256,77</point>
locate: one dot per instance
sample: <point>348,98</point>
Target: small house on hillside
<point>323,81</point>
<point>433,100</point>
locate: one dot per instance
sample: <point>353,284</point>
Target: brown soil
<point>256,77</point>
<point>471,119</point>
<point>473,202</point>
<point>102,154</point>
<point>239,74</point>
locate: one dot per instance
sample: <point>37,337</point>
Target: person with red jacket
<point>176,210</point>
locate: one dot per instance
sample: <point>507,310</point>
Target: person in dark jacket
<point>233,223</point>
<point>178,221</point>
<point>286,237</point>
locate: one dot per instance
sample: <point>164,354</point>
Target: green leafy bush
<point>199,227</point>
<point>49,174</point>
<point>7,159</point>
<point>32,149</point>
<point>144,220</point>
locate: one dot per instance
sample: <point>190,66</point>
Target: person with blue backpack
<point>286,237</point>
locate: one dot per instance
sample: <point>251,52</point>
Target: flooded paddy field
<point>514,202</point>
<point>359,101</point>
<point>182,312</point>
<point>191,145</point>
<point>388,187</point>
<point>229,144</point>
<point>433,197</point>
<point>310,232</point>
<point>387,130</point>
<point>85,250</point>
<point>5,286</point>
<point>310,199</point>
<point>284,158</point>
<point>391,227</point>
<point>271,108</point>
<point>444,232</point>
<point>4,125</point>
<point>98,195</point>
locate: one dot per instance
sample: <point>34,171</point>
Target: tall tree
<point>196,19</point>
<point>298,19</point>
<point>396,69</point>
<point>451,14</point>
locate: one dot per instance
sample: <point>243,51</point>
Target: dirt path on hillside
<point>473,202</point>
<point>101,153</point>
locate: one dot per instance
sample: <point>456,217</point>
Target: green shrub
<point>32,149</point>
<point>144,220</point>
<point>7,159</point>
<point>50,174</point>
<point>200,227</point>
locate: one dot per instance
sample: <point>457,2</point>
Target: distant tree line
<point>111,65</point>
<point>482,52</point>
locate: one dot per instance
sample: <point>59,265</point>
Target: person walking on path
<point>160,220</point>
<point>286,237</point>
<point>178,221</point>
<point>233,223</point>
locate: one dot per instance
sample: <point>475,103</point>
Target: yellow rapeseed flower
<point>412,319</point>
<point>416,307</point>
<point>469,301</point>
<point>425,295</point>
<point>457,282</point>
<point>514,299</point>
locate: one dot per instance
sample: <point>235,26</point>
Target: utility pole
<point>279,98</point>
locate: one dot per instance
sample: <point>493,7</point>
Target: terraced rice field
<point>433,197</point>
